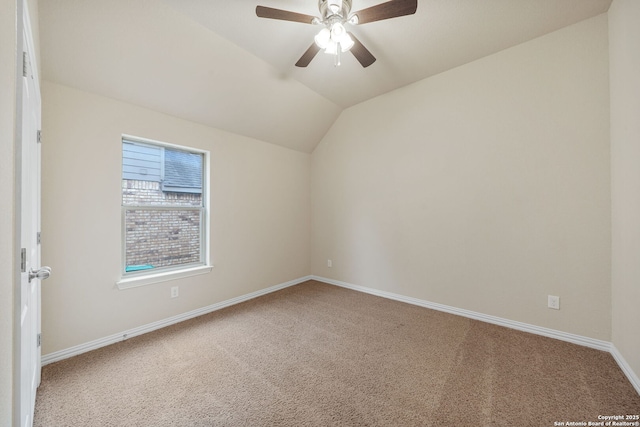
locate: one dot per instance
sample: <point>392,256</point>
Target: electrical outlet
<point>174,292</point>
<point>553,302</point>
<point>329,263</point>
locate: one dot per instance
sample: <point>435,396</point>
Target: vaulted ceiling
<point>214,62</point>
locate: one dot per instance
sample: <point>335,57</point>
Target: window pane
<point>182,171</point>
<point>141,162</point>
<point>161,238</point>
<point>163,199</point>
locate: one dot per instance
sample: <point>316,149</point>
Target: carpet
<point>320,355</point>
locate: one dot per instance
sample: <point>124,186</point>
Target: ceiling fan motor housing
<point>334,8</point>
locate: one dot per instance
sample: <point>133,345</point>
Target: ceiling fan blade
<point>362,54</point>
<point>284,15</point>
<point>306,58</point>
<point>390,9</point>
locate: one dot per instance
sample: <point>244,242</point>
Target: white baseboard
<point>633,378</point>
<point>112,339</point>
<point>525,327</point>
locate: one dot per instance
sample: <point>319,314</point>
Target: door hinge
<point>39,136</point>
<point>25,66</point>
<point>23,260</point>
<point>39,340</point>
<point>39,237</point>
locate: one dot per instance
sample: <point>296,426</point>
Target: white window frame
<point>163,274</point>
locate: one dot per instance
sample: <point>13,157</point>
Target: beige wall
<point>259,208</point>
<point>624,51</point>
<point>7,262</point>
<point>486,187</point>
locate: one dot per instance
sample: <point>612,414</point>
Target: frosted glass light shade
<point>323,38</point>
<point>337,31</point>
<point>346,42</point>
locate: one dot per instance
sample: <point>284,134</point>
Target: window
<point>164,209</point>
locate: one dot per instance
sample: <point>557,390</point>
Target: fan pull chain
<point>337,58</point>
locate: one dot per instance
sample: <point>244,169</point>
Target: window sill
<point>147,279</point>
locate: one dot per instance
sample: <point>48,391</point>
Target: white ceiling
<point>214,62</point>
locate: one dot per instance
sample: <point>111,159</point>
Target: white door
<point>32,273</point>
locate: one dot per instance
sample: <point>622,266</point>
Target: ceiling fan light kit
<point>334,38</point>
<point>330,39</point>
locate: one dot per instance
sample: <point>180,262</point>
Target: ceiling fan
<point>334,14</point>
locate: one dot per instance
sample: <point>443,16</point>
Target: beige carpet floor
<point>320,355</point>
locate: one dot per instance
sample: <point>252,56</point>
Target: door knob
<point>41,273</point>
